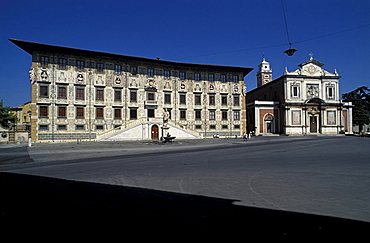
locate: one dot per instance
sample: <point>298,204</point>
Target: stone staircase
<point>178,126</point>
<point>115,131</point>
<point>140,130</point>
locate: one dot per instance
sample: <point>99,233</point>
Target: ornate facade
<point>89,95</point>
<point>305,101</point>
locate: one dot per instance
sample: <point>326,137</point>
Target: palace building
<point>90,95</point>
<point>303,102</point>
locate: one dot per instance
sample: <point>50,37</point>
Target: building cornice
<point>31,47</point>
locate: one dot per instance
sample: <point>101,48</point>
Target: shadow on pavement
<point>40,205</point>
<point>16,155</point>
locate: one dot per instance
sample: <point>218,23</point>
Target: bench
<point>168,139</point>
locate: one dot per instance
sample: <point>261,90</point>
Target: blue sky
<point>224,32</point>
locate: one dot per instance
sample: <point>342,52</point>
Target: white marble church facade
<point>303,102</point>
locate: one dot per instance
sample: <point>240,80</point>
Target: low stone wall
<point>65,136</point>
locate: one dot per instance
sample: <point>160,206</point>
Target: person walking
<point>245,138</point>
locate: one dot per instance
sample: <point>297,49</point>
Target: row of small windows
<point>213,127</point>
<point>99,113</point>
<point>101,127</point>
<point>99,95</point>
<point>80,65</point>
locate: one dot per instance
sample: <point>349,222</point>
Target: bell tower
<point>264,74</point>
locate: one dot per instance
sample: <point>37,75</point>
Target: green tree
<point>6,117</point>
<point>360,98</point>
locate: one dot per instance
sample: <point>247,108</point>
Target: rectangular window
<point>211,77</point>
<point>197,99</point>
<point>117,95</point>
<point>133,96</point>
<point>99,95</point>
<point>133,114</point>
<point>151,113</point>
<point>134,70</point>
<point>197,76</point>
<point>80,64</point>
<point>198,126</point>
<point>44,61</point>
<point>212,100</point>
<point>224,115</point>
<point>212,115</point>
<point>167,74</point>
<point>331,115</point>
<point>182,75</point>
<point>182,114</point>
<point>62,92</point>
<point>118,69</point>
<point>236,126</point>
<point>150,72</point>
<point>62,112</point>
<point>223,78</point>
<point>235,78</point>
<point>224,127</point>
<point>183,99</point>
<point>43,111</point>
<point>212,127</point>
<point>167,98</point>
<point>198,114</point>
<point>62,63</point>
<point>99,127</point>
<point>117,114</point>
<point>43,127</point>
<point>80,112</point>
<point>330,92</point>
<point>80,127</point>
<point>62,127</point>
<point>44,91</point>
<point>236,115</point>
<point>224,100</point>
<point>100,67</point>
<point>80,93</point>
<point>150,96</point>
<point>236,100</point>
<point>295,91</point>
<point>296,117</point>
<point>99,113</point>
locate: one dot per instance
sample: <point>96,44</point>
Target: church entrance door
<point>313,124</point>
<point>268,127</point>
<point>155,132</point>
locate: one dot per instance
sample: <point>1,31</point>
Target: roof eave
<point>30,47</point>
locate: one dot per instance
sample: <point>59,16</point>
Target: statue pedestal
<point>164,131</point>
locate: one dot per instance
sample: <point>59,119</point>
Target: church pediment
<point>311,68</point>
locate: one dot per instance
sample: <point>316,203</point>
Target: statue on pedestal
<point>166,116</point>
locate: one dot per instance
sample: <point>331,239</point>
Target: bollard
<point>29,142</point>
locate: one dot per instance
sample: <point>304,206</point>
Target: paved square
<point>318,175</point>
